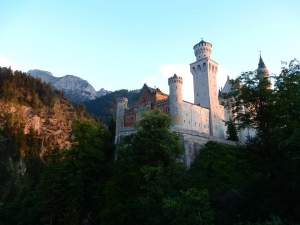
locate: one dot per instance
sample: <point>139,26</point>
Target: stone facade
<point>198,122</point>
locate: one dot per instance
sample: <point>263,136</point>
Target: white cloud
<point>4,62</point>
<point>182,70</point>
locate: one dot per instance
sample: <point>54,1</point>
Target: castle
<point>198,122</point>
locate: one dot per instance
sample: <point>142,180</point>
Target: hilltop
<point>76,88</point>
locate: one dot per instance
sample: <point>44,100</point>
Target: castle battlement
<point>122,100</point>
<point>175,79</point>
<point>202,50</point>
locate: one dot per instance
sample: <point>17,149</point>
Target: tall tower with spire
<point>204,71</point>
<point>262,69</point>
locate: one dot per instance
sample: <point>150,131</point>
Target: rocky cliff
<point>77,89</point>
<point>51,126</point>
<point>27,136</point>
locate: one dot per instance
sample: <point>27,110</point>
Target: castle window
<point>189,122</point>
<point>197,94</point>
<point>184,121</point>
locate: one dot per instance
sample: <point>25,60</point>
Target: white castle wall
<point>195,117</point>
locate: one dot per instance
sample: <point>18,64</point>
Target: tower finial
<point>261,63</point>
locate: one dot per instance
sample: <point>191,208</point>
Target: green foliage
<point>71,183</point>
<point>274,152</point>
<point>231,131</point>
<point>191,207</point>
<point>146,172</point>
<point>18,86</point>
<point>75,188</point>
<point>220,167</point>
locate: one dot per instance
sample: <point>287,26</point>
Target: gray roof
<point>261,64</point>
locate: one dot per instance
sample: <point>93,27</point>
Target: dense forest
<point>105,107</point>
<point>255,183</point>
<point>17,86</point>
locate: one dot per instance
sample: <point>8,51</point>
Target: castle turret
<point>202,50</point>
<point>121,107</point>
<point>175,100</point>
<point>262,69</point>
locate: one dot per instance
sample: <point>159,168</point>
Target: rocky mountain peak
<point>77,89</point>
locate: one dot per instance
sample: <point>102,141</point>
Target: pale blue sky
<point>124,44</point>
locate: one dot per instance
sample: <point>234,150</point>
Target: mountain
<point>77,89</point>
<point>103,92</point>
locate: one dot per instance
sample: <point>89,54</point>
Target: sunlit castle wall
<point>175,100</point>
<point>195,118</point>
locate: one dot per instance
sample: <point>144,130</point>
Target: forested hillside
<point>33,121</point>
<point>105,107</point>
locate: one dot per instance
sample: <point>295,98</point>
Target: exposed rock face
<point>77,89</point>
<point>52,125</point>
<point>102,92</point>
<point>43,75</point>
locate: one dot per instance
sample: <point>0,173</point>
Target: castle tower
<point>204,72</point>
<point>121,107</point>
<point>262,69</point>
<point>175,100</point>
